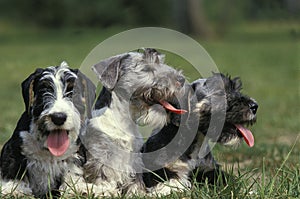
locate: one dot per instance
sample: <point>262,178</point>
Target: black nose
<point>181,80</point>
<point>58,118</point>
<point>253,107</point>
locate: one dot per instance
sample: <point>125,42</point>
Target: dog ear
<point>237,84</point>
<point>27,89</point>
<point>87,93</point>
<point>200,88</point>
<point>108,70</point>
<point>104,99</point>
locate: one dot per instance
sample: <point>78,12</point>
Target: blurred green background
<point>258,40</point>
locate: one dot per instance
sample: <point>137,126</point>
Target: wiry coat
<point>134,84</point>
<point>215,105</point>
<point>57,102</point>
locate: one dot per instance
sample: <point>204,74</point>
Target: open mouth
<point>171,108</point>
<point>58,142</point>
<point>165,104</point>
<point>156,97</point>
<point>246,133</point>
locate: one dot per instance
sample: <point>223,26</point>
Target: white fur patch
<point>166,188</point>
<point>156,117</point>
<point>202,105</point>
<point>15,188</point>
<point>235,142</point>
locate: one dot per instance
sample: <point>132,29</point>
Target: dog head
<point>220,93</point>
<point>57,100</point>
<point>145,82</point>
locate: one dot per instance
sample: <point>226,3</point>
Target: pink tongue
<point>248,137</point>
<point>58,142</point>
<point>171,108</point>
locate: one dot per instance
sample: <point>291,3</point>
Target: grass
<point>265,55</point>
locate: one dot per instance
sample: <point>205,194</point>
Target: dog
<point>137,87</point>
<point>218,112</point>
<point>44,149</point>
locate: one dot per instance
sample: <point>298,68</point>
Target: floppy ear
<point>27,89</point>
<point>87,92</point>
<point>200,88</point>
<point>104,99</point>
<point>108,70</point>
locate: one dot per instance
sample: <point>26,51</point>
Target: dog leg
<point>167,187</point>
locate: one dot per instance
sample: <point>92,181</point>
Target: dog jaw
<point>150,106</point>
<point>155,117</point>
<point>238,109</point>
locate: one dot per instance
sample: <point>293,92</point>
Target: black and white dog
<point>44,148</point>
<point>218,112</point>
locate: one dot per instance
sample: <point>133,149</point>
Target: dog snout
<point>253,107</point>
<point>58,118</point>
<point>180,80</point>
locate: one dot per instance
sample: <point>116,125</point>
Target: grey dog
<point>218,112</point>
<point>137,90</point>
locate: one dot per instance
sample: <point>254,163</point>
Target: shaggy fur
<point>57,100</point>
<point>215,106</point>
<point>134,85</point>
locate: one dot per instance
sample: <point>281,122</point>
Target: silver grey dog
<point>138,90</point>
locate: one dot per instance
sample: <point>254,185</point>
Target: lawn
<point>265,55</point>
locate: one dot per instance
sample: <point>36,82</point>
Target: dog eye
<point>45,86</point>
<point>69,90</point>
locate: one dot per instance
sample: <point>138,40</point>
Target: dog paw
<point>15,189</point>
